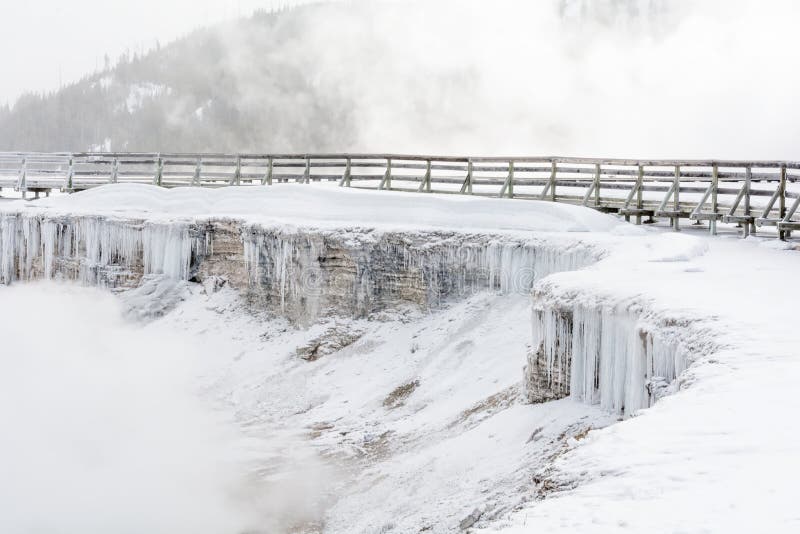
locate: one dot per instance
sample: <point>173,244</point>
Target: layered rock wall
<point>303,273</point>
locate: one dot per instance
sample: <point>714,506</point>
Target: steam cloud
<point>626,78</point>
<point>680,78</point>
<point>102,430</point>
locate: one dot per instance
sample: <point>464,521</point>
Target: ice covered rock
<point>301,273</point>
<point>617,355</point>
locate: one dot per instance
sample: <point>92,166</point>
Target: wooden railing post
<point>551,183</point>
<point>267,180</point>
<point>22,179</point>
<point>466,187</point>
<point>70,175</point>
<point>198,170</point>
<point>782,200</point>
<point>639,199</point>
<point>508,184</point>
<point>347,177</point>
<point>307,171</point>
<point>386,182</point>
<point>787,218</point>
<point>676,203</point>
<point>425,186</point>
<point>712,222</point>
<point>597,171</point>
<point>237,172</point>
<point>114,171</point>
<point>157,179</point>
<point>748,179</point>
<point>510,189</point>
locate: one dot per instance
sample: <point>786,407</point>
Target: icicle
<point>31,246</point>
<point>612,357</point>
<point>167,250</point>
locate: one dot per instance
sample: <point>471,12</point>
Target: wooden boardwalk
<point>751,194</point>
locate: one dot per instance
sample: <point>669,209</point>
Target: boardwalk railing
<point>750,194</point>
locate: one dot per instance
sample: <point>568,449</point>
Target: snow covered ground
<point>412,422</point>
<point>420,417</point>
<point>721,455</point>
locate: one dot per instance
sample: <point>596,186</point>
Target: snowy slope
<point>459,440</point>
<point>721,454</point>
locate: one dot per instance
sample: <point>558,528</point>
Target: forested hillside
<point>312,78</point>
<point>169,100</point>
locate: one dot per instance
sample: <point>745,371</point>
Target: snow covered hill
<point>410,416</point>
<point>258,83</point>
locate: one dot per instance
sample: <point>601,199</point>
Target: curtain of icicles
<point>30,247</point>
<point>611,356</point>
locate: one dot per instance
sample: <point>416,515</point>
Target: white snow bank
<point>676,247</point>
<point>720,454</point>
<point>318,205</point>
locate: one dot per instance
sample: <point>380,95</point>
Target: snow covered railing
<point>750,194</point>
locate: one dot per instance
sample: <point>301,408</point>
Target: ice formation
<point>302,272</point>
<point>94,250</point>
<point>597,353</point>
<point>303,264</point>
<point>617,356</point>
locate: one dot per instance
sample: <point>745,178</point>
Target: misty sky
<point>47,42</point>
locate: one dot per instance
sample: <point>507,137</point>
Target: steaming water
<point>102,430</point>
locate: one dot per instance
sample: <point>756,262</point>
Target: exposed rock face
<point>331,341</point>
<point>302,273</point>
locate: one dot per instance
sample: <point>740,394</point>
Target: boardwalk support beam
<point>466,187</point>
<point>347,177</point>
<point>425,185</point>
<point>508,186</point>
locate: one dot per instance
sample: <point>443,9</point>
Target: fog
<point>45,44</point>
<point>625,78</point>
<point>104,430</point>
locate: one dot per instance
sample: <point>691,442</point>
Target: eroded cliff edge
<point>302,273</point>
<point>620,356</point>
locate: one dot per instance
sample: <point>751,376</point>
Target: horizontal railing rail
<point>748,193</point>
